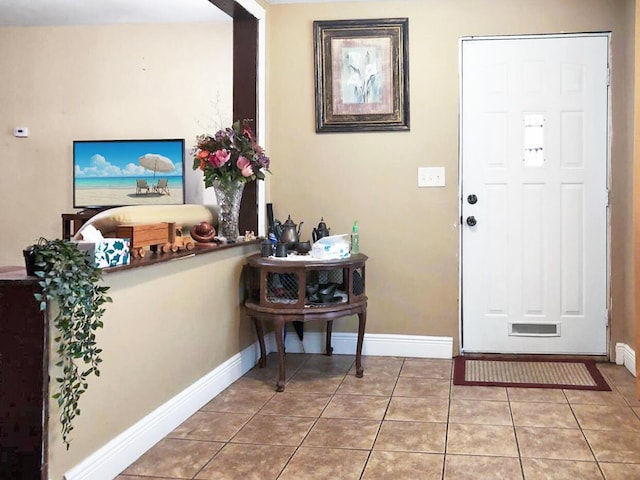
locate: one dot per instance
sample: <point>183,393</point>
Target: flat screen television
<point>115,173</point>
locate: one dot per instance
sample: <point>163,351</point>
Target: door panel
<point>534,146</point>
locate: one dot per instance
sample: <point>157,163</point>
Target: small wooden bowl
<point>203,232</point>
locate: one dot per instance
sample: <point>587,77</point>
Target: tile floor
<point>403,420</point>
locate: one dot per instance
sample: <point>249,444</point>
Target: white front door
<point>534,150</point>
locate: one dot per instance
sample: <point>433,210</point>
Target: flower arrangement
<point>231,155</point>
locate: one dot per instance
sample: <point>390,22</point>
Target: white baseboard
<point>111,459</point>
<point>625,355</point>
<point>384,345</point>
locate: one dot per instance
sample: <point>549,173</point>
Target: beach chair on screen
<point>140,186</point>
<point>162,187</point>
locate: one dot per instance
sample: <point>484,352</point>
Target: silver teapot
<point>287,232</point>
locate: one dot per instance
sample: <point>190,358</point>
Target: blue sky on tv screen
<point>121,158</point>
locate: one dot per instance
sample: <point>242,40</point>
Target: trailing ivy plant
<point>71,292</point>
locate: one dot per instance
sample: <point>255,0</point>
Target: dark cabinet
<point>23,378</point>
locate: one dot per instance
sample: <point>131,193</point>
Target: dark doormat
<point>529,372</point>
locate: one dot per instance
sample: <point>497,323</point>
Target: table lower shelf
<point>281,316</point>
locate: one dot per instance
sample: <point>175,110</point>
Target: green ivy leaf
<point>70,281</point>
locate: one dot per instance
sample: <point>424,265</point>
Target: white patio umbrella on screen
<point>156,163</point>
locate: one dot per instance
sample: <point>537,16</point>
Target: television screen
<point>114,173</point>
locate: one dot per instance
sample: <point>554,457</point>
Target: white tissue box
<point>108,252</point>
<point>331,247</point>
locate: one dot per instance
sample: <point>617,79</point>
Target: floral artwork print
<point>361,79</point>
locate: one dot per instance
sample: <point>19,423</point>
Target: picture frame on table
<point>361,72</point>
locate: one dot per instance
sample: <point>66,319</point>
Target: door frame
<point>463,39</point>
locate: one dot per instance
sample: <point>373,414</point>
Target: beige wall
<point>168,326</point>
<point>411,234</point>
<point>98,82</point>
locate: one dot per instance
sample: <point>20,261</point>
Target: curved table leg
<point>328,347</point>
<point>362,317</point>
<point>279,331</point>
<point>260,332</point>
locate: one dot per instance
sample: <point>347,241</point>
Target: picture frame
<point>361,75</point>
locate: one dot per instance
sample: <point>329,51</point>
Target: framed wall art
<point>361,75</point>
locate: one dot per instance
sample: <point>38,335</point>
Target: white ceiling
<point>25,13</point>
<point>103,12</point>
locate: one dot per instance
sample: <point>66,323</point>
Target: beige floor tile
<point>333,365</point>
<point>365,407</point>
<point>590,397</point>
<point>553,443</point>
<point>367,385</point>
<point>275,430</point>
<point>466,392</point>
<point>267,385</point>
<point>480,412</point>
<point>342,433</point>
<point>312,382</point>
<point>270,371</point>
<point>629,394</point>
<point>546,395</point>
<point>465,467</point>
<point>380,366</point>
<point>427,368</point>
<point>240,400</point>
<point>412,437</point>
<point>174,458</point>
<point>540,414</point>
<point>606,417</point>
<point>620,471</point>
<point>213,426</point>
<point>421,387</point>
<point>545,469</point>
<point>296,404</point>
<point>617,447</point>
<point>493,440</point>
<point>403,465</point>
<point>137,477</point>
<point>325,463</point>
<point>616,374</point>
<point>247,462</point>
<point>428,409</point>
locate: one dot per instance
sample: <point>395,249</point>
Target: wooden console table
<point>71,222</point>
<point>288,292</point>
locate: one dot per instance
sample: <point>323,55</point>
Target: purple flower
<point>263,161</point>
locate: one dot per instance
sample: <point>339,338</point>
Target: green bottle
<point>355,238</point>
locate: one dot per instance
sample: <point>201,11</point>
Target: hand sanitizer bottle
<point>355,238</point>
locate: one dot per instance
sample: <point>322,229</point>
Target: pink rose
<point>219,158</point>
<point>245,166</point>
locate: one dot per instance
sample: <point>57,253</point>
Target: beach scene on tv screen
<point>128,172</point>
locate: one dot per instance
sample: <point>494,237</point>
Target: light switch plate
<point>431,177</point>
